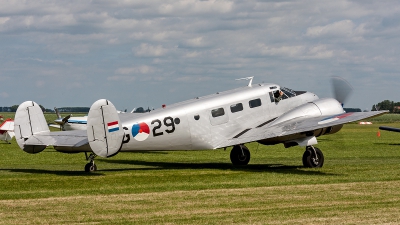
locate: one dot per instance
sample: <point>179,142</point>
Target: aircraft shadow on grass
<point>275,168</point>
<point>55,172</point>
<point>396,144</point>
<point>272,168</point>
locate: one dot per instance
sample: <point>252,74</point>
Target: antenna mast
<point>247,78</point>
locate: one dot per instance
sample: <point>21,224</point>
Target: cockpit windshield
<point>287,93</point>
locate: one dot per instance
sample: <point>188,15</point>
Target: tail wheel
<point>240,155</point>
<point>313,157</point>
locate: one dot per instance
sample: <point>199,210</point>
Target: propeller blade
<point>57,113</point>
<point>66,119</point>
<point>341,89</point>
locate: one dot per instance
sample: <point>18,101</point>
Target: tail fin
<point>29,120</point>
<point>104,129</point>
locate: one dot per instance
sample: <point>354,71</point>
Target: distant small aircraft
<point>79,122</point>
<point>266,113</point>
<point>7,130</point>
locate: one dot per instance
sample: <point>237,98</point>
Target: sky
<point>148,53</point>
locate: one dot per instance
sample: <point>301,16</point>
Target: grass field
<point>359,184</point>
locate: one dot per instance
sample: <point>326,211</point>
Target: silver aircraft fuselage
<point>202,123</point>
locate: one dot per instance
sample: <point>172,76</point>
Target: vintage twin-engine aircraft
<point>7,130</point>
<point>266,113</point>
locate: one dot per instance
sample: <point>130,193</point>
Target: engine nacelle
<point>320,107</point>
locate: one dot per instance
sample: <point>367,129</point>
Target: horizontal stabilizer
<point>76,138</point>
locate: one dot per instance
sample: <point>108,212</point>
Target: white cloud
<point>320,52</point>
<point>196,42</point>
<point>122,78</point>
<point>135,70</point>
<point>150,50</point>
<point>288,51</point>
<point>343,28</point>
<point>3,20</point>
<point>195,7</point>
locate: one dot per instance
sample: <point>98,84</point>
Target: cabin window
<point>236,107</point>
<point>217,112</point>
<point>255,103</point>
<point>196,117</point>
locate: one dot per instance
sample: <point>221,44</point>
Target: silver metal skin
<point>208,132</point>
<point>266,113</point>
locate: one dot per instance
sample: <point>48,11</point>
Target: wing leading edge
<point>296,126</point>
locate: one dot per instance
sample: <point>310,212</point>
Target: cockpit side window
<point>271,96</point>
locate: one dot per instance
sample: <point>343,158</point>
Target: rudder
<point>29,120</point>
<point>104,129</point>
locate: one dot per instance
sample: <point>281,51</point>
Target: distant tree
<point>14,108</point>
<point>393,107</point>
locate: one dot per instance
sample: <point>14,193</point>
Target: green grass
<point>387,118</point>
<point>359,184</point>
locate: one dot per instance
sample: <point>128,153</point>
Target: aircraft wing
<point>294,126</point>
<point>75,138</point>
<point>390,129</point>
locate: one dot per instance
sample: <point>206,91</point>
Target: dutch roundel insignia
<point>140,131</point>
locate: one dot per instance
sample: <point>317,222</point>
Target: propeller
<point>65,119</point>
<point>61,121</point>
<point>341,89</point>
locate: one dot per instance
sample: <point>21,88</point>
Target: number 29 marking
<point>168,122</point>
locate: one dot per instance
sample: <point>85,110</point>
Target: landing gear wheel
<point>313,157</point>
<point>240,155</point>
<point>90,167</point>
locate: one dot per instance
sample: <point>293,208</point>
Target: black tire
<point>90,167</point>
<point>309,159</point>
<point>240,155</point>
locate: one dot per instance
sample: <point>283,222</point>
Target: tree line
<point>393,107</point>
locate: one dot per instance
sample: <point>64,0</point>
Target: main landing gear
<point>90,166</point>
<point>240,155</point>
<point>313,157</point>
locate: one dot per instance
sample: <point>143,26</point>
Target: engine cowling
<point>320,107</point>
